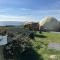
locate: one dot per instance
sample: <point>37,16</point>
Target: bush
<point>32,35</point>
<point>3,32</point>
<point>10,35</point>
<point>31,54</point>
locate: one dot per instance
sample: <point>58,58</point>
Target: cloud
<point>25,9</point>
<point>16,18</point>
<point>23,14</point>
<point>39,14</point>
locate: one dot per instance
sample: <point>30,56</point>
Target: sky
<point>28,10</point>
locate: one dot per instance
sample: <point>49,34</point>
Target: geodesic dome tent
<point>49,23</point>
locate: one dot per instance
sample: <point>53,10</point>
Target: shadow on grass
<point>41,36</point>
<point>30,55</point>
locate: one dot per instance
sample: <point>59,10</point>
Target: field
<point>40,44</point>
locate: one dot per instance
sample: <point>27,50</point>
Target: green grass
<point>43,40</point>
<point>4,27</point>
<point>50,37</point>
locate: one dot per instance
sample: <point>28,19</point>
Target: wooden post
<point>1,53</point>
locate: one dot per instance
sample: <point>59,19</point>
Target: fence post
<point>1,53</point>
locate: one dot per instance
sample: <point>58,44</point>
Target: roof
<point>3,40</point>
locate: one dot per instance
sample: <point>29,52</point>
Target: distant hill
<point>12,23</point>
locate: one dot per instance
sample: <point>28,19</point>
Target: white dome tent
<point>50,23</point>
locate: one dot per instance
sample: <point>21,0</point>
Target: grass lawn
<point>49,37</point>
<point>40,44</point>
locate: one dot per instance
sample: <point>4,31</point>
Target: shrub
<point>10,34</point>
<point>32,35</point>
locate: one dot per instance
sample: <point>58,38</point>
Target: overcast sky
<point>28,10</point>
